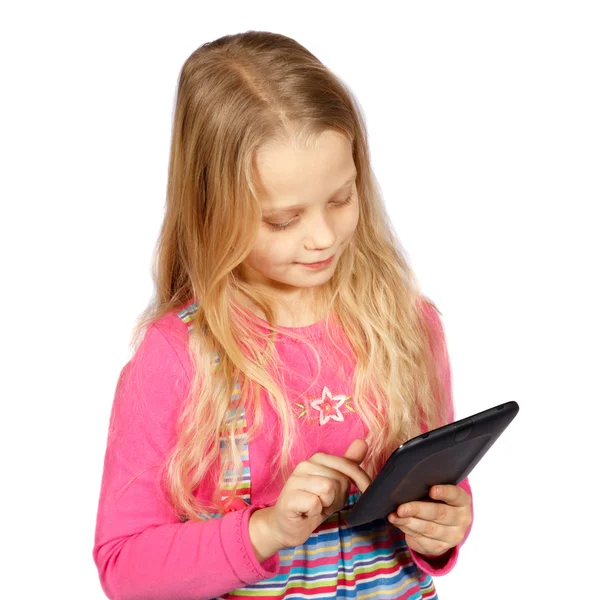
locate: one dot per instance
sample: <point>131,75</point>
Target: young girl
<point>286,354</point>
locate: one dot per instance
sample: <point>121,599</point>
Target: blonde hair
<point>235,94</point>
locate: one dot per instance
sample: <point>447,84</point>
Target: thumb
<point>357,451</point>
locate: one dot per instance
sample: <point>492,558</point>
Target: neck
<point>299,310</point>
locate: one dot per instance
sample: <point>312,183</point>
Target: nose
<point>320,233</point>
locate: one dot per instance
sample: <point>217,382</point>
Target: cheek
<point>348,226</point>
<point>269,252</point>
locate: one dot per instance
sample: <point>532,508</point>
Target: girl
<point>286,354</point>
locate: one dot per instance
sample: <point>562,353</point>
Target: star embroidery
<point>329,406</point>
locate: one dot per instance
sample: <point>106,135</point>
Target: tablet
<point>445,455</point>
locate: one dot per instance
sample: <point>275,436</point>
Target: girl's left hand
<point>432,528</point>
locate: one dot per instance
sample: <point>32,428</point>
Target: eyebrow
<point>271,212</point>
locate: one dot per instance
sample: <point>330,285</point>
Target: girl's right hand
<point>317,488</point>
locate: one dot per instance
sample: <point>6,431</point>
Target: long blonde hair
<point>235,94</point>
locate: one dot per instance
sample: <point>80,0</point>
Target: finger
<point>424,545</point>
<point>344,465</point>
<point>308,467</point>
<point>428,529</point>
<point>305,505</point>
<point>324,488</point>
<point>438,512</point>
<point>357,451</point>
<point>451,494</point>
<point>342,483</point>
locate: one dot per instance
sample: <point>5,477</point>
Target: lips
<point>319,262</point>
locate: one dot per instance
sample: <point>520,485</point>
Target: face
<point>309,214</point>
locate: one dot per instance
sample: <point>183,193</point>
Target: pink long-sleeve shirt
<point>143,550</point>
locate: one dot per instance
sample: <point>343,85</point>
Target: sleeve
<point>141,548</point>
<point>441,565</point>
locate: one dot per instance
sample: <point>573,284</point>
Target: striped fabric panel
<point>339,561</point>
<point>243,491</point>
<point>370,561</point>
<point>187,313</point>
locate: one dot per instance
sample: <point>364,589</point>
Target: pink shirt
<point>142,549</point>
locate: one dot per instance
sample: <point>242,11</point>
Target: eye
<point>282,226</point>
<point>344,202</point>
<point>276,227</point>
<point>279,226</point>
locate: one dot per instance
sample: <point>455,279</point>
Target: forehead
<point>287,172</point>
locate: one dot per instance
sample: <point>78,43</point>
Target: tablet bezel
<point>445,455</point>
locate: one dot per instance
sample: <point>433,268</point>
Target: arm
<point>141,549</point>
<point>441,565</point>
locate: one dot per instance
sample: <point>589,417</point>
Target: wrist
<point>437,559</point>
<point>261,534</point>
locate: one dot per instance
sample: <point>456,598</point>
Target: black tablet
<point>445,455</point>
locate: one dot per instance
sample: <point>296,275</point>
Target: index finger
<point>345,466</point>
<point>451,494</point>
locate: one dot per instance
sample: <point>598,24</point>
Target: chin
<point>314,281</point>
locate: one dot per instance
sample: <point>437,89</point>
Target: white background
<point>484,129</point>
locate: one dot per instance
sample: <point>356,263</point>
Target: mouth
<point>320,264</point>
